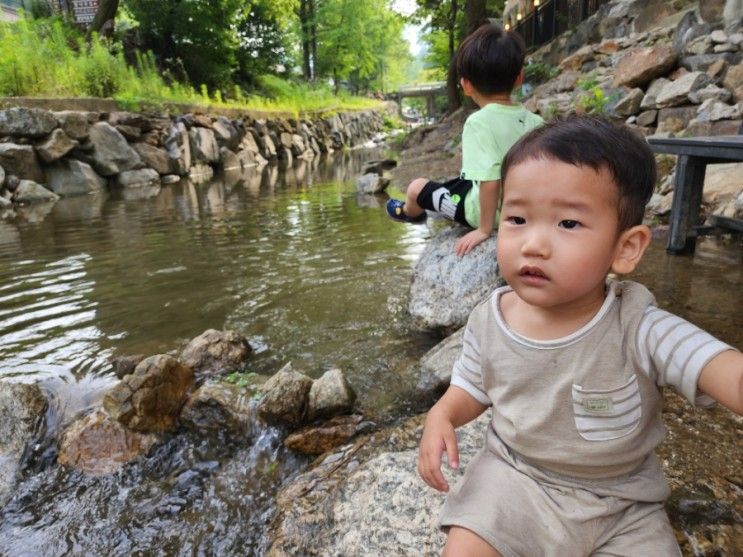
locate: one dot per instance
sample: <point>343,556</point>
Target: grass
<point>47,58</point>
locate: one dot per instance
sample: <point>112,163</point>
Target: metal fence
<point>553,17</point>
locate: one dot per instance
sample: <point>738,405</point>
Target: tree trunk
<point>475,14</point>
<point>313,38</point>
<point>453,102</point>
<point>305,24</point>
<point>103,22</point>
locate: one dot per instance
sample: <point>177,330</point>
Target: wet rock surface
<point>285,397</point>
<point>214,352</point>
<point>219,407</point>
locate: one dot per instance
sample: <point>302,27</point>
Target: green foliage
<point>588,82</point>
<point>593,101</point>
<point>240,379</point>
<point>539,72</point>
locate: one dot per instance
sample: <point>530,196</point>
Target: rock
<point>214,352</point>
<point>330,395</point>
<point>99,445</point>
<point>649,100</point>
<point>138,178</point>
<point>316,440</point>
<point>689,28</point>
<point>446,287</point>
<point>76,125</point>
<point>436,364</point>
<point>125,365</point>
<point>154,157</point>
<point>2,176</point>
<point>566,81</point>
<point>31,192</point>
<point>169,179</point>
<point>249,143</point>
<point>712,110</point>
<point>21,160</point>
<point>130,133</point>
<point>576,60</point>
<point>709,92</point>
<point>700,45</point>
<point>630,103</point>
<point>22,411</point>
<point>150,399</point>
<point>379,166</point>
<point>229,160</point>
<point>200,173</point>
<point>178,146</point>
<point>130,120</point>
<point>56,146</point>
<point>372,183</point>
<point>677,92</point>
<point>641,65</point>
<point>285,397</point>
<point>733,81</point>
<point>26,122</point>
<point>68,177</point>
<point>219,408</point>
<point>702,62</point>
<point>674,120</point>
<point>111,152</point>
<point>647,118</point>
<point>11,182</point>
<point>225,133</point>
<point>204,148</point>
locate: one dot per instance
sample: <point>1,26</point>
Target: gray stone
<point>372,183</point>
<point>204,147</point>
<point>713,110</point>
<point>689,28</point>
<point>225,133</point>
<point>649,100</point>
<point>154,157</point>
<point>214,352</point>
<point>150,399</point>
<point>285,398</point>
<point>76,124</point>
<point>330,395</point>
<point>228,159</point>
<point>718,36</point>
<point>710,92</point>
<point>733,81</point>
<point>200,173</point>
<point>170,179</point>
<point>31,192</point>
<point>2,176</point>
<point>446,287</point>
<point>69,177</point>
<point>130,120</point>
<point>437,363</point>
<point>21,160</point>
<point>111,152</point>
<point>248,143</point>
<point>641,65</point>
<point>727,47</point>
<point>647,118</point>
<point>675,120</point>
<point>130,133</point>
<point>219,407</point>
<point>379,166</point>
<point>677,92</point>
<point>138,178</point>
<point>56,146</point>
<point>297,145</point>
<point>700,45</point>
<point>178,146</point>
<point>630,103</point>
<point>26,122</point>
<point>702,62</point>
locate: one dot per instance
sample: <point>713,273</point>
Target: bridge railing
<point>553,17</point>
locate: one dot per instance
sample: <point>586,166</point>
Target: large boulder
<point>677,92</point>
<point>142,177</point>
<point>178,146</point>
<point>111,152</point>
<point>69,177</point>
<point>330,395</point>
<point>56,146</point>
<point>204,147</point>
<point>31,192</point>
<point>285,397</point>
<point>436,364</point>
<point>26,122</point>
<point>97,444</point>
<point>214,352</point>
<point>76,124</point>
<point>154,157</point>
<point>150,399</point>
<point>21,160</point>
<point>640,66</point>
<point>372,183</point>
<point>318,439</point>
<point>446,287</point>
<point>218,407</point>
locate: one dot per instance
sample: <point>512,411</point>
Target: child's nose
<point>536,244</point>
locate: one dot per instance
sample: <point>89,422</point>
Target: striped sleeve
<point>467,373</point>
<point>674,352</point>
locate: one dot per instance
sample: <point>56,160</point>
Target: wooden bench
<point>694,154</point>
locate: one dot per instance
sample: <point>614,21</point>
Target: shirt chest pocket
<point>605,414</point>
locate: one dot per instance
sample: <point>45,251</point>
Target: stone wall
<point>46,154</point>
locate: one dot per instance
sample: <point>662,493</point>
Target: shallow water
<point>293,259</point>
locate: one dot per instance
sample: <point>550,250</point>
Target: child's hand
<point>467,243</point>
<point>438,436</point>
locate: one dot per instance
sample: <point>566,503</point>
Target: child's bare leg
<point>463,543</point>
<point>411,208</point>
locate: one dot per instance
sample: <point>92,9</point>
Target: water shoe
<point>395,212</point>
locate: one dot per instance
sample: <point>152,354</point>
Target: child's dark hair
<point>491,59</point>
<point>595,142</point>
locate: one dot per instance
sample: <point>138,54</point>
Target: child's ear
<point>630,248</point>
<point>466,86</point>
<point>519,80</point>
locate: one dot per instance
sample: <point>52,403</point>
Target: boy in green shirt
<point>490,64</point>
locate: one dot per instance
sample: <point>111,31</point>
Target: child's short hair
<point>491,59</point>
<point>595,142</point>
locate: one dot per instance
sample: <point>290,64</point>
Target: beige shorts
<point>523,517</point>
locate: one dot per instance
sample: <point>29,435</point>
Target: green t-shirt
<point>486,138</point>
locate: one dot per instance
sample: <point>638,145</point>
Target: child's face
<point>557,237</point>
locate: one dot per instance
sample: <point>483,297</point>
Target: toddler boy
<point>571,363</point>
<point>490,64</point>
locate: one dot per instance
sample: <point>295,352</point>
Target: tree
<point>103,22</point>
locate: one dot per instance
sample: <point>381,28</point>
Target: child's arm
<point>722,379</point>
<point>454,409</point>
<point>489,193</point>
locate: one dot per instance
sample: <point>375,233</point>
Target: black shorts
<point>446,198</point>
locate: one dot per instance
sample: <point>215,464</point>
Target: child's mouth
<point>532,275</point>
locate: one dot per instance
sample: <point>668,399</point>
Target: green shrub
<point>539,72</point>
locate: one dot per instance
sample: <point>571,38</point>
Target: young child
<point>571,363</point>
<point>489,63</point>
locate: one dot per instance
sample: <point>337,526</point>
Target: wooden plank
<point>687,198</point>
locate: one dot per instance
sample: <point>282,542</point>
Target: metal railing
<point>553,17</point>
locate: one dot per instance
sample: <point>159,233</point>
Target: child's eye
<point>515,220</point>
<point>569,224</point>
